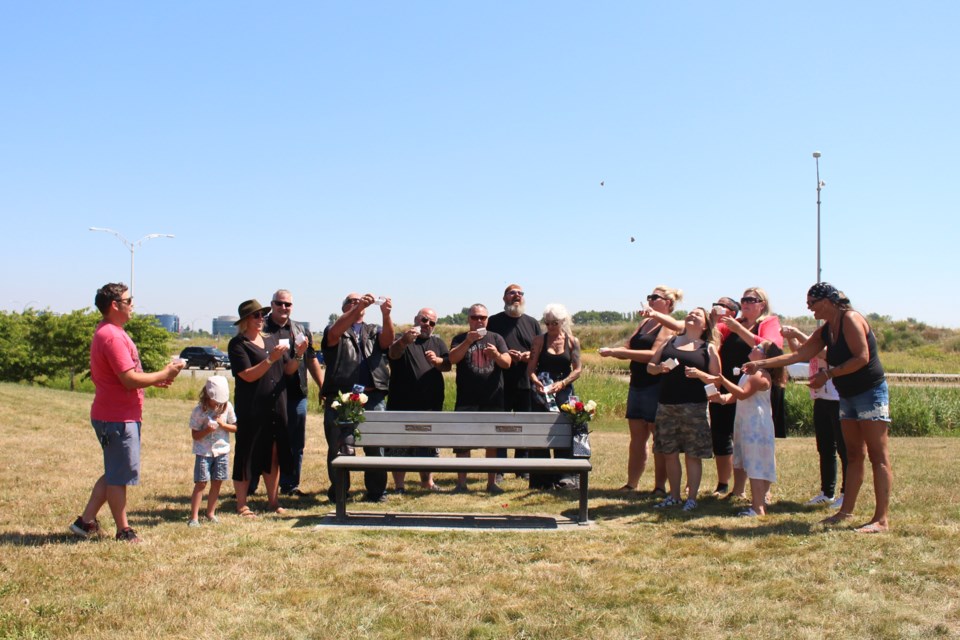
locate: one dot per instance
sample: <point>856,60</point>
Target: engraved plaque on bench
<point>418,427</point>
<point>509,428</point>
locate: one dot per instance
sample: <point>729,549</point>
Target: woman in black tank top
<point>556,354</point>
<point>644,391</point>
<point>682,419</point>
<point>855,368</point>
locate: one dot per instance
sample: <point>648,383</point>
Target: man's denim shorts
<point>120,442</point>
<point>207,468</point>
<point>872,404</point>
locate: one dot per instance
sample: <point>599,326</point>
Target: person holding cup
<point>260,366</point>
<point>683,422</point>
<point>854,367</point>
<point>644,391</point>
<point>753,433</point>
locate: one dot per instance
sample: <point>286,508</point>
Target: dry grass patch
<point>636,574</point>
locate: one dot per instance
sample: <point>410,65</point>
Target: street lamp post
<point>132,246</point>
<point>820,185</point>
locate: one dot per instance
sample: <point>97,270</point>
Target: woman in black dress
<point>260,366</point>
<point>553,366</point>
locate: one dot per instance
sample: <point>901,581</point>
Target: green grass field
<point>636,573</point>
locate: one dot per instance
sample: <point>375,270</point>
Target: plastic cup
<point>284,342</point>
<point>300,339</point>
<point>482,331</point>
<point>710,389</point>
<point>671,363</point>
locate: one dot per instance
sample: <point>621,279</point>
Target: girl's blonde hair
<point>671,294</point>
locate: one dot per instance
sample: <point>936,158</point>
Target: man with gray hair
<point>355,355</point>
<point>280,324</point>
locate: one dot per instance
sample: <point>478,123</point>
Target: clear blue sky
<point>435,152</point>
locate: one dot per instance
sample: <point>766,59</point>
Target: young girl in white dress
<point>753,433</point>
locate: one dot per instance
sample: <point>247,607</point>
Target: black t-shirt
<point>676,387</point>
<point>415,384</point>
<point>517,333</point>
<point>479,379</point>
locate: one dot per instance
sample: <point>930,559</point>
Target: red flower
<point>355,397</point>
<point>579,407</point>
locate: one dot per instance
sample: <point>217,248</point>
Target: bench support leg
<point>341,476</point>
<point>584,486</point>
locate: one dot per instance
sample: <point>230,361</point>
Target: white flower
<point>590,406</point>
<point>363,398</point>
<point>335,404</point>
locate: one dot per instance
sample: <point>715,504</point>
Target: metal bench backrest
<point>466,429</point>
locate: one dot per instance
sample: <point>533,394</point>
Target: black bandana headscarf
<point>826,290</point>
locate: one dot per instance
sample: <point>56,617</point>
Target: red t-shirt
<point>111,353</point>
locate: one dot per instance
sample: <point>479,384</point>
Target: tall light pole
<point>132,245</point>
<point>820,185</point>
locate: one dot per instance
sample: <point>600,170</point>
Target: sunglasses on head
<point>285,305</point>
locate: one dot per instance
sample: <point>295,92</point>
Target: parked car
<point>205,358</point>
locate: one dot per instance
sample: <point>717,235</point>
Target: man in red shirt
<point>117,410</point>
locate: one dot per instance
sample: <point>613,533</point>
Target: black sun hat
<point>249,307</point>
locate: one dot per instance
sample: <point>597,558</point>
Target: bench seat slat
<point>464,441</point>
<point>463,464</point>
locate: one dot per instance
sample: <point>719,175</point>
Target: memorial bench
<point>463,430</point>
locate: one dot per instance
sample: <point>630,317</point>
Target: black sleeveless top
<point>676,387</point>
<point>861,380</point>
<point>643,342</point>
<point>558,365</point>
<point>734,352</point>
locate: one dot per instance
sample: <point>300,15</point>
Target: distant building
<point>224,326</point>
<point>168,321</point>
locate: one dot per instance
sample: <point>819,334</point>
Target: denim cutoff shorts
<point>642,403</point>
<point>207,468</point>
<point>872,404</point>
<point>120,442</point>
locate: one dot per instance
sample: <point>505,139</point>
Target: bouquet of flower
<point>582,413</point>
<point>349,407</point>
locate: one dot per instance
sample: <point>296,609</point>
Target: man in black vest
<point>355,355</point>
<point>280,323</point>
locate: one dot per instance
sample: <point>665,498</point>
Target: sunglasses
<point>427,321</point>
<point>725,306</point>
<point>749,300</point>
<point>285,305</point>
<point>257,314</point>
<point>514,292</point>
<point>654,296</point>
<point>126,301</point>
<point>760,348</point>
<point>478,317</point>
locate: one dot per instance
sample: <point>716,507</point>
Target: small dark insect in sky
<point>631,238</point>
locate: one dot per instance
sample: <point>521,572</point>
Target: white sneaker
<point>837,502</point>
<point>820,498</point>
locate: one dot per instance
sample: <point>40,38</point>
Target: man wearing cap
<point>417,360</point>
<point>355,355</point>
<point>117,410</point>
<point>518,331</point>
<point>280,324</point>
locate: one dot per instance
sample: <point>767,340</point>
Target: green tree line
<point>39,346</point>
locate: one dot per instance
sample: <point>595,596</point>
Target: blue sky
<point>435,152</point>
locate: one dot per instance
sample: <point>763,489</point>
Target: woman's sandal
<point>626,487</point>
<point>836,518</point>
<point>246,512</point>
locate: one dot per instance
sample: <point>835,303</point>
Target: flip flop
<point>873,527</point>
<point>836,518</point>
<point>246,513</point>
